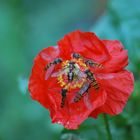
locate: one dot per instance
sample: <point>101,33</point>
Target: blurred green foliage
<point>27,26</point>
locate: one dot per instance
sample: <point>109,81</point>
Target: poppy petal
<point>119,87</point>
<point>37,82</point>
<point>85,43</point>
<point>118,56</point>
<point>73,114</point>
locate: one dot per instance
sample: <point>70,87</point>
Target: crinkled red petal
<point>118,87</point>
<point>37,83</point>
<point>118,59</point>
<point>85,43</point>
<point>73,114</point>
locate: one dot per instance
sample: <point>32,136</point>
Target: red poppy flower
<point>81,77</point>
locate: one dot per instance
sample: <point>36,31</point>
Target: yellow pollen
<point>75,83</point>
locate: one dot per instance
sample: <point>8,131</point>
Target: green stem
<point>107,127</point>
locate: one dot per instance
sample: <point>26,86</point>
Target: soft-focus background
<point>27,26</point>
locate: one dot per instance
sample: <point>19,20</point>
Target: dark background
<point>26,27</point>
